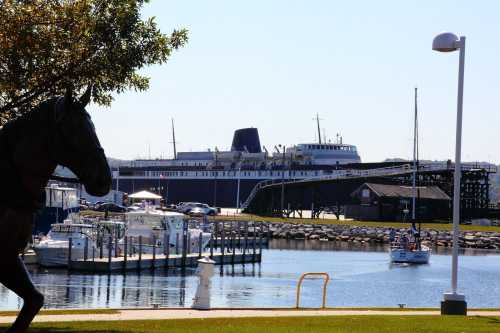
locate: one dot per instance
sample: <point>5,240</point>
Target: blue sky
<point>275,64</point>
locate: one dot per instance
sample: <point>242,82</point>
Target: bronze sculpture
<point>57,132</point>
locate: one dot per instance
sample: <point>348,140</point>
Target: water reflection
<point>317,245</point>
<point>361,276</point>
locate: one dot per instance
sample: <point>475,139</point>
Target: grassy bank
<point>249,217</point>
<point>339,324</point>
<point>435,226</point>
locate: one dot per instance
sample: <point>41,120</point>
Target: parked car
<point>96,204</point>
<point>84,207</point>
<point>197,211</point>
<point>185,207</point>
<point>200,209</point>
<point>111,207</point>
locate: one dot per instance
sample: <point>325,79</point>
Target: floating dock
<point>161,261</point>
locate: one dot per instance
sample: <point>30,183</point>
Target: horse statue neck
<point>26,164</point>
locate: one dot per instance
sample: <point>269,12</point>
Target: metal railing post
<point>299,284</point>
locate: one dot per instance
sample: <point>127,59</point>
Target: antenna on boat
<point>173,140</point>
<point>319,131</point>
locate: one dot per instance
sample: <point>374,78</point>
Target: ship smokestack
<point>246,139</point>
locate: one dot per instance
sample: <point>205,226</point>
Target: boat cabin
<point>60,202</point>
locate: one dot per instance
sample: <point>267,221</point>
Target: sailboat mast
<point>415,152</point>
<point>173,140</point>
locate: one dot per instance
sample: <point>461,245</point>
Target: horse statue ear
<point>85,99</point>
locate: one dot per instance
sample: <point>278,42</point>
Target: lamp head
<point>446,42</point>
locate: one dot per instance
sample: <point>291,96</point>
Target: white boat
<point>410,256</point>
<point>53,250</point>
<point>404,251</point>
<point>155,226</point>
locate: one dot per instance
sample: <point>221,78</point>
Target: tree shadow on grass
<point>489,320</point>
<point>71,329</point>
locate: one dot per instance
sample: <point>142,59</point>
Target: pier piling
<point>101,247</point>
<point>85,249</point>
<point>110,251</point>
<point>222,244</point>
<point>212,246</point>
<point>154,253</point>
<point>139,262</point>
<point>125,249</point>
<point>177,238</point>
<point>116,244</point>
<point>233,243</point>
<point>184,243</point>
<point>261,230</point>
<point>70,247</point>
<point>245,245</point>
<point>166,249</point>
<point>200,244</point>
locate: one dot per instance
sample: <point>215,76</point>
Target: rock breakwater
<point>360,234</point>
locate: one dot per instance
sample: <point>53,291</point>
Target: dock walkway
<point>148,261</point>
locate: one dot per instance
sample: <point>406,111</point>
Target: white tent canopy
<point>145,195</point>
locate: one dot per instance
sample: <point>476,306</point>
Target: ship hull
<point>218,193</point>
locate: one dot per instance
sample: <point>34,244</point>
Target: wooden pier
<point>150,262</point>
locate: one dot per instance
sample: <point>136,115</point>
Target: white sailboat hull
<point>399,255</point>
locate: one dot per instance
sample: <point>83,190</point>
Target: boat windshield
<point>65,231</point>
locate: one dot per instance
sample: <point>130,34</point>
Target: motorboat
<point>53,249</point>
<point>152,227</point>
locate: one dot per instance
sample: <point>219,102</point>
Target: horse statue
<point>57,132</point>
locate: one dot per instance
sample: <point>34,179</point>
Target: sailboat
<point>410,249</point>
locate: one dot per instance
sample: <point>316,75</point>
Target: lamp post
<point>282,181</point>
<point>454,303</point>
<point>238,191</point>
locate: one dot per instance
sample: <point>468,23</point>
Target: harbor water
<point>360,276</point>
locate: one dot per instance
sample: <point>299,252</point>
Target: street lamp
<point>238,191</point>
<point>282,204</point>
<point>454,303</point>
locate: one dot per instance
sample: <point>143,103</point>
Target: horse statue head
<point>57,132</point>
<point>75,144</point>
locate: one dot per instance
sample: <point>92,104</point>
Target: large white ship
<point>222,178</point>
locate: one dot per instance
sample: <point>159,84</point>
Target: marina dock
<point>135,255</point>
<point>148,261</point>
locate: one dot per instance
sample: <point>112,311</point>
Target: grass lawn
<point>249,217</point>
<point>435,226</point>
<point>340,324</point>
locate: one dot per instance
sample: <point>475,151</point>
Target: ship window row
<point>288,173</point>
<point>330,147</point>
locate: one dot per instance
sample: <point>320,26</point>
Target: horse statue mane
<point>13,193</point>
<point>57,132</point>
